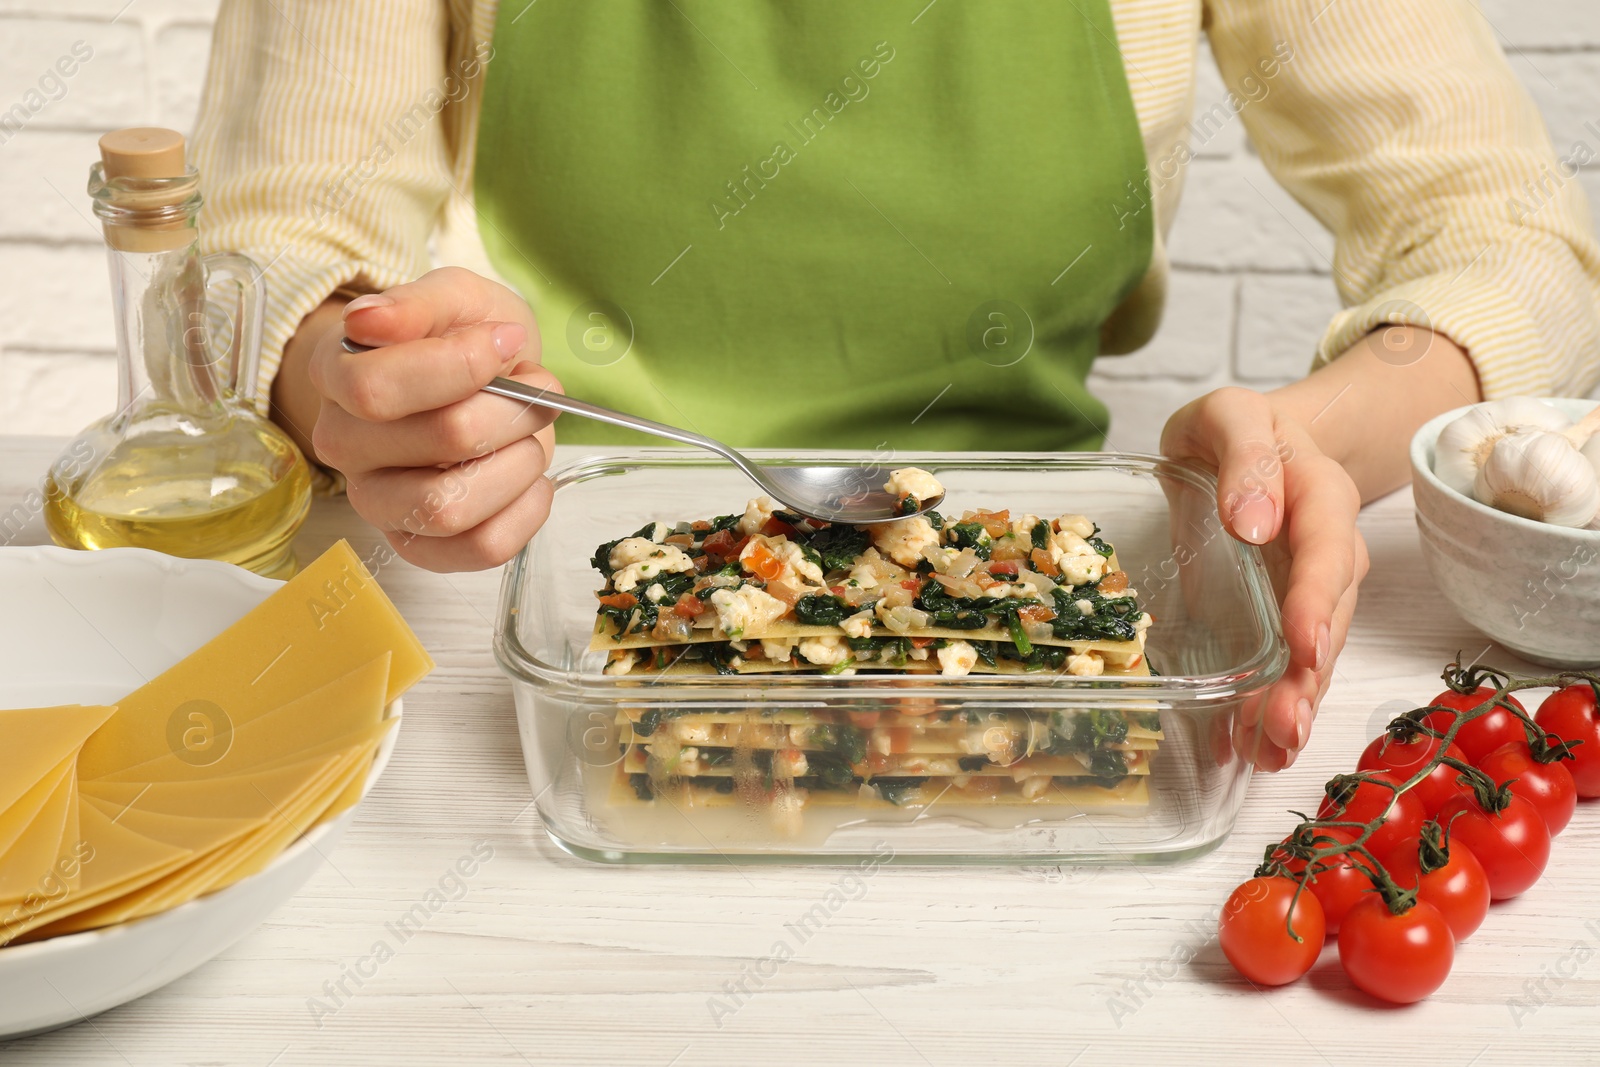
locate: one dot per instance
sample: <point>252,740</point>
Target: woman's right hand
<point>454,477</point>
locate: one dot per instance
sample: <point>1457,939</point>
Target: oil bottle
<point>185,465</point>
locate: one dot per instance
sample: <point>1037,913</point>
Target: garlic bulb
<point>1465,444</point>
<point>1539,475</point>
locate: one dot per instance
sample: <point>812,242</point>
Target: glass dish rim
<point>1261,668</point>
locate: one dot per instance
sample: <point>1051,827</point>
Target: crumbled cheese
<point>1076,524</point>
<point>791,555</point>
<point>904,539</point>
<point>913,482</point>
<point>756,514</point>
<point>656,593</point>
<point>1086,664</point>
<point>824,651</point>
<point>858,625</point>
<point>1077,559</point>
<point>957,658</point>
<point>1022,528</point>
<point>746,610</point>
<point>634,559</point>
<point>776,649</point>
<point>1035,786</point>
<point>789,763</point>
<point>1085,607</point>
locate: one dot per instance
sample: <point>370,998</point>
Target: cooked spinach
<point>971,535</point>
<point>1099,544</point>
<point>641,786</point>
<point>837,546</point>
<point>821,609</point>
<point>974,763</point>
<point>1108,763</point>
<point>898,791</point>
<point>1040,534</point>
<point>830,768</point>
<point>1085,731</point>
<point>1110,618</point>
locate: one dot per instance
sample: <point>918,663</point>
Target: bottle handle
<point>236,292</point>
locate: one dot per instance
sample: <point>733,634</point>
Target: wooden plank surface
<point>541,958</point>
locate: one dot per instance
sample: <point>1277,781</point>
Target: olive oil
<point>186,465</point>
<point>146,497</point>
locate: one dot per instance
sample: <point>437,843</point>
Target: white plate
<point>89,627</point>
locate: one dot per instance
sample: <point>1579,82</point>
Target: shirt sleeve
<point>322,148</point>
<point>1401,127</point>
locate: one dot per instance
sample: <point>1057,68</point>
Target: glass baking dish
<point>1216,641</point>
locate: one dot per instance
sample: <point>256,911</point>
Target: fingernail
<point>371,300</point>
<point>508,339</point>
<point>1324,642</point>
<point>1253,518</point>
<point>1303,715</point>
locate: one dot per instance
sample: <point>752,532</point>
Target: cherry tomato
<point>1547,786</point>
<point>1398,958</point>
<point>1254,935</point>
<point>1512,845</point>
<point>1402,813</point>
<point>1405,759</point>
<point>1484,734</point>
<point>1459,889</point>
<point>1339,886</point>
<point>1571,715</point>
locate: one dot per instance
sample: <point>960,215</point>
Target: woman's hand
<point>1278,490</point>
<point>453,477</point>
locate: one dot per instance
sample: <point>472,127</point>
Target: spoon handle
<point>547,398</point>
<point>544,398</point>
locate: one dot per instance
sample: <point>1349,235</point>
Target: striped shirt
<point>336,143</point>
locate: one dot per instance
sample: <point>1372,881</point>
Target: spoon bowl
<point>849,494</point>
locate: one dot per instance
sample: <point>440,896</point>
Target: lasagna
<point>768,591</point>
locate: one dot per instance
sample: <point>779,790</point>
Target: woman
<point>883,226</point>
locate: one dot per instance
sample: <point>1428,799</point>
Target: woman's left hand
<point>1278,490</point>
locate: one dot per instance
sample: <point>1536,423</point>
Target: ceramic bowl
<point>88,627</point>
<point>1533,587</point>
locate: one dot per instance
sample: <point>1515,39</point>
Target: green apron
<point>818,223</point>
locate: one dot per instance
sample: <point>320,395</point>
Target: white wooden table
<point>549,959</point>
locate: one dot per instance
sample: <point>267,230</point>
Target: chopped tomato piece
<point>911,584</point>
<point>763,564</point>
<point>1036,613</point>
<point>700,525</point>
<point>1006,570</point>
<point>1043,563</point>
<point>899,738</point>
<point>998,523</point>
<point>775,527</point>
<point>688,606</point>
<point>921,642</point>
<point>877,762</point>
<point>1114,582</point>
<point>864,719</point>
<point>837,590</point>
<point>720,544</point>
<point>620,600</point>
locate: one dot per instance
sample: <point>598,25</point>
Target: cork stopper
<point>142,152</point>
<point>143,178</point>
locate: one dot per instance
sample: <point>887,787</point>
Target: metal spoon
<point>851,494</point>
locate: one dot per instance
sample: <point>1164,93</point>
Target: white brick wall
<point>1250,294</point>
